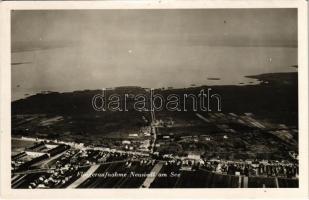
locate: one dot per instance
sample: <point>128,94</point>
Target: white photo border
<point>5,101</point>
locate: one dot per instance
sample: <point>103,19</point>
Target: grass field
<point>19,145</point>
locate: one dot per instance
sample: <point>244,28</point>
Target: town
<point>142,161</point>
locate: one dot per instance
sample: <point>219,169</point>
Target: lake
<point>80,67</point>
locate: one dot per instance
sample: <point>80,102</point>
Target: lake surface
<point>78,68</point>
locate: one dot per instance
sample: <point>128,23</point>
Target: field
<point>101,129</point>
<point>193,179</point>
<point>17,143</point>
<point>288,183</point>
<point>226,137</point>
<point>20,145</point>
<point>259,182</point>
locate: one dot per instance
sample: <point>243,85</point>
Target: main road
<point>153,129</point>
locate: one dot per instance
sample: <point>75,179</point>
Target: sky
<point>68,50</point>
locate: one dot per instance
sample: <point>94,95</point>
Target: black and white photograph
<point>154,98</point>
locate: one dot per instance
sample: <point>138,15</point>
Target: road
<point>153,129</point>
<point>156,169</point>
<point>84,177</point>
<point>202,117</point>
